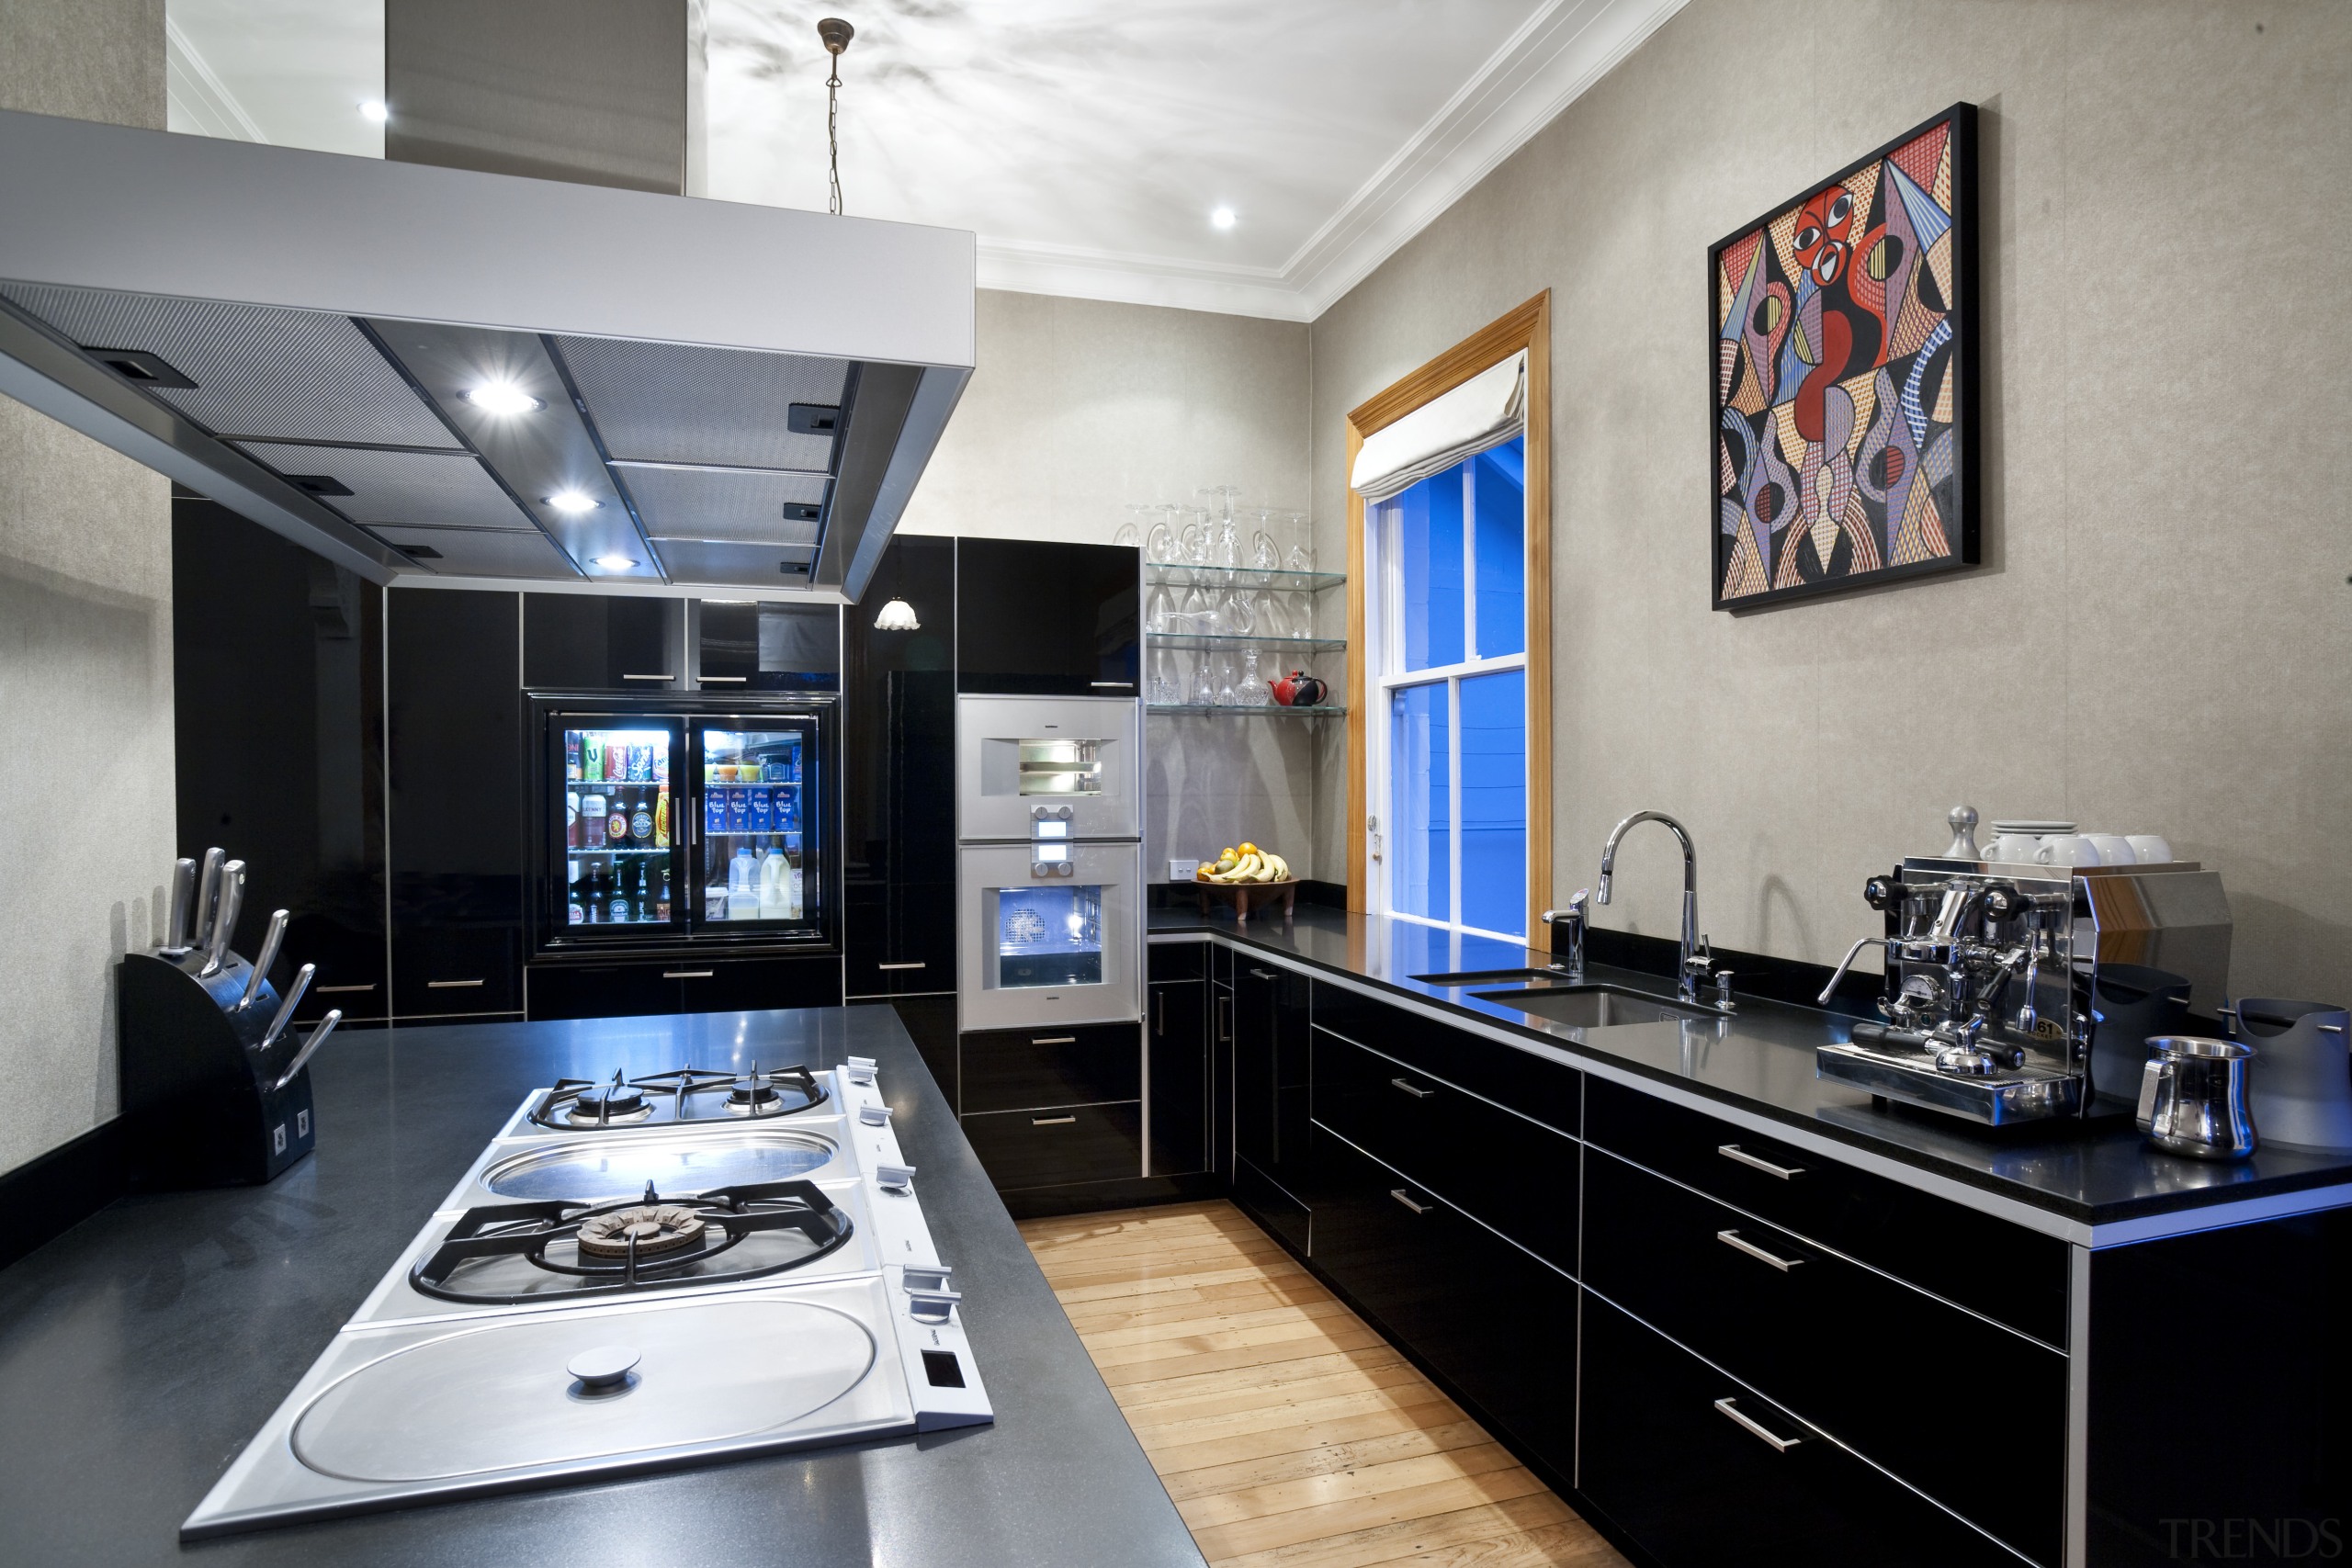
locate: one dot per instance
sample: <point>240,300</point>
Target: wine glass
<point>1224,697</point>
<point>1225,539</point>
<point>1157,615</point>
<point>1159,543</point>
<point>1238,619</point>
<point>1202,694</point>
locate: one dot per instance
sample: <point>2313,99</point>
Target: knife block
<point>200,1102</point>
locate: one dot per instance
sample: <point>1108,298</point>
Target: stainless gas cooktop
<point>592,1302</point>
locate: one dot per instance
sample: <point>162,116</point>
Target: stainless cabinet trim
<point>1733,1152</point>
<point>1734,1240</point>
<point>1780,1445</point>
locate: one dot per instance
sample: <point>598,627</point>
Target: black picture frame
<point>1964,312</point>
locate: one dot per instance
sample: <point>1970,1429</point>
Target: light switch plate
<point>1181,870</point>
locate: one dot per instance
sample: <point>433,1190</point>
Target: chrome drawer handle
<point>718,680</point>
<point>649,677</point>
<point>1732,1240</point>
<point>1398,1193</point>
<point>1055,1040</point>
<point>1733,1152</point>
<point>1416,1090</point>
<point>1266,973</point>
<point>1780,1445</point>
<point>898,966</point>
<point>450,985</point>
<point>1114,685</point>
<point>1051,1120</point>
<point>686,974</point>
<point>331,990</point>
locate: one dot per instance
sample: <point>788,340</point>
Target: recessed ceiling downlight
<point>612,563</point>
<point>572,503</point>
<point>1222,218</point>
<point>501,397</point>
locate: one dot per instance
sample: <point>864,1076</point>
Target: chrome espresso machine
<point>2018,991</point>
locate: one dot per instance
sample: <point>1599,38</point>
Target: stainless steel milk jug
<point>2193,1099</point>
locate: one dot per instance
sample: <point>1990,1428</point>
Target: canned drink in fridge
<point>592,751</point>
<point>641,762</point>
<point>661,761</point>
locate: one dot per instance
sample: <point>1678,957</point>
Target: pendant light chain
<point>835,35</point>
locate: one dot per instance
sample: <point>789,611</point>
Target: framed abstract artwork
<point>1842,347</point>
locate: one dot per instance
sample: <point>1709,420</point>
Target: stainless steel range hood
<point>726,395</point>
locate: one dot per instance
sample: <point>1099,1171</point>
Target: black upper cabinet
<point>580,642</point>
<point>1047,619</point>
<point>899,799</point>
<point>455,806</point>
<point>741,645</point>
<point>277,656</point>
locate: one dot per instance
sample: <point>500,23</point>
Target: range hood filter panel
<point>472,552</point>
<point>259,371</point>
<point>403,486</point>
<point>719,565</point>
<point>739,505</point>
<point>672,402</point>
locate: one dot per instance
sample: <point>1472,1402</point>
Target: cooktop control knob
<point>603,1366</point>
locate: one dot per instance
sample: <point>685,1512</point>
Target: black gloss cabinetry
<point>278,657</point>
<point>1271,1111</point>
<point>1177,1048</point>
<point>1703,1472</point>
<point>455,800</point>
<point>682,984</point>
<point>1036,619</point>
<point>1054,1107</point>
<point>899,795</point>
<point>583,642</point>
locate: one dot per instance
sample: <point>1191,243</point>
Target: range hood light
<point>503,397</point>
<point>572,503</point>
<point>612,563</point>
<point>898,616</point>
<point>374,111</point>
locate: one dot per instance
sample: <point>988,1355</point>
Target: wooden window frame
<point>1527,329</point>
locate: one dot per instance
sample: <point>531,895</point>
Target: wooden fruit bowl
<point>1247,895</point>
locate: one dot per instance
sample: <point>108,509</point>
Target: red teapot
<point>1299,689</point>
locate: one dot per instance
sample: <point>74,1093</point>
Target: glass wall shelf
<point>1183,574</point>
<point>1235,639</point>
<point>1270,710</point>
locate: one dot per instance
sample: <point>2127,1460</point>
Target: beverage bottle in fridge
<point>618,909</point>
<point>571,879</point>
<point>661,818</point>
<point>591,826</point>
<point>571,756</point>
<point>571,820</point>
<point>591,902</point>
<point>662,894</point>
<point>641,824</point>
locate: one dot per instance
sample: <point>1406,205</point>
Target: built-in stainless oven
<point>1050,932</point>
<point>1016,754</point>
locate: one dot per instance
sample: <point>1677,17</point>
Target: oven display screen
<point>1048,936</point>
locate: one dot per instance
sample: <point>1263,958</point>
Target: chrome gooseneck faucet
<point>1696,958</point>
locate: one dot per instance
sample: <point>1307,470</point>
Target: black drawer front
<point>1052,1149</point>
<point>1178,960</point>
<point>1806,1327</point>
<point>1989,1265</point>
<point>1519,1177</point>
<point>450,969</point>
<point>1021,1069</point>
<point>1436,1281</point>
<point>749,984</point>
<point>599,990</point>
<point>1548,1092</point>
<point>1698,1490</point>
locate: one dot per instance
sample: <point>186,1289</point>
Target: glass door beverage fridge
<point>664,825</point>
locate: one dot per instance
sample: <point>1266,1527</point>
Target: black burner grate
<point>691,1094</point>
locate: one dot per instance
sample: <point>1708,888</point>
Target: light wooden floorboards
<point>1288,1433</point>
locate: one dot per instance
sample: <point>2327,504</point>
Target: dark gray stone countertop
<point>140,1351</point>
<point>2094,1173</point>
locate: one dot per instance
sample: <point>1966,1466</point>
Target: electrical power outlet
<point>1181,870</point>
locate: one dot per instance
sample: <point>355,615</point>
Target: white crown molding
<point>1554,58</point>
<point>197,100</point>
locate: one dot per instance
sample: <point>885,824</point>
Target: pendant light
<point>898,616</point>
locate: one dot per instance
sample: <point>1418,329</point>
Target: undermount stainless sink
<point>1490,976</point>
<point>1591,1007</point>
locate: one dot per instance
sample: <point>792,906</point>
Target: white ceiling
<point>1085,141</point>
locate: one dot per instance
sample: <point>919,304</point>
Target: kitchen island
<point>141,1349</point>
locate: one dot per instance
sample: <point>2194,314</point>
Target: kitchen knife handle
<point>207,887</point>
<point>175,935</point>
<point>224,926</point>
<point>285,1008</point>
<point>309,1047</point>
<point>270,942</point>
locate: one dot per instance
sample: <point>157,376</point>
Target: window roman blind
<point>1484,411</point>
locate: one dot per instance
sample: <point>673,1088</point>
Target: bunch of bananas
<point>1247,863</point>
